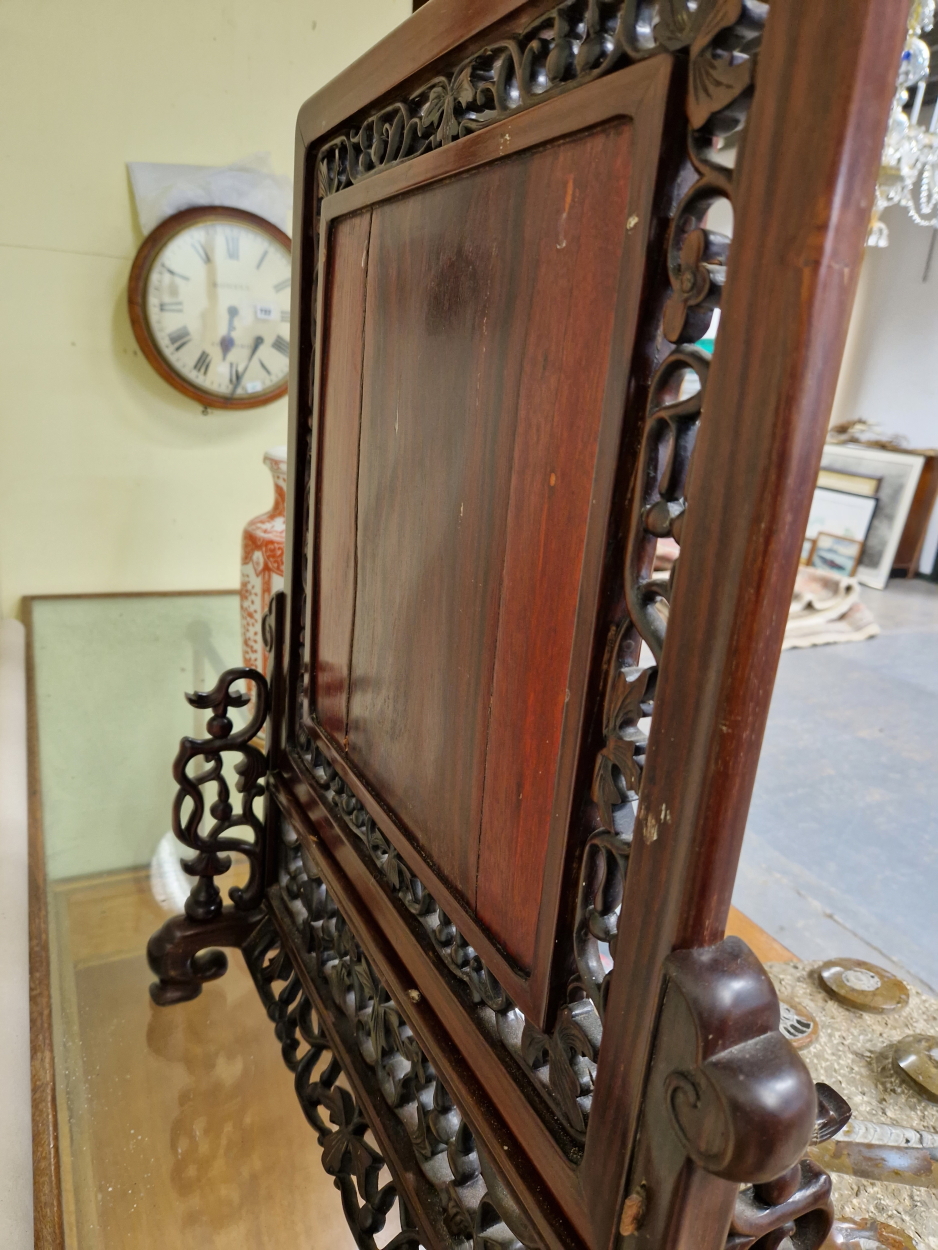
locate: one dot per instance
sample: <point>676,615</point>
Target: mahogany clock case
<point>136,299</point>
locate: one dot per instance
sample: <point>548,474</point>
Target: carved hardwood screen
<point>489,886</point>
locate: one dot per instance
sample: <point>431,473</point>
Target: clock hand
<point>258,342</point>
<point>226,342</point>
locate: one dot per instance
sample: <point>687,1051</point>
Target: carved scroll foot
<point>184,953</point>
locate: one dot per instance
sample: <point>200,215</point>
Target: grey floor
<point>841,850</point>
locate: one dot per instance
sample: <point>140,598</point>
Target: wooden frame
<point>636,1105</point>
<point>640,97</point>
<point>900,473</point>
<point>836,538</point>
<point>136,299</point>
<point>48,1218</point>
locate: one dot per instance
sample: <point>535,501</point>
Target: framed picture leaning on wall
<point>835,554</point>
<point>898,473</point>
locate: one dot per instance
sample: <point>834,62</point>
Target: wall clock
<point>209,300</point>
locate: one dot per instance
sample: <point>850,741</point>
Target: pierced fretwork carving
<point>568,46</point>
<point>474,1209</point>
<point>348,1155</point>
<point>456,953</point>
<point>659,504</point>
<point>562,1064</point>
<point>796,1204</point>
<point>183,953</point>
<point>214,849</point>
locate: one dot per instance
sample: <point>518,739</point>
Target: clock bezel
<point>147,253</point>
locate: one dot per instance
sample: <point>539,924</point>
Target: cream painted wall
<point>890,368</point>
<point>109,479</point>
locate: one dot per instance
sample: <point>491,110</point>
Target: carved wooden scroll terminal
<point>183,954</point>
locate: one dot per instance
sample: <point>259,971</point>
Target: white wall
<point>109,479</point>
<point>890,368</point>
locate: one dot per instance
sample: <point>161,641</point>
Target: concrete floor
<point>841,850</point>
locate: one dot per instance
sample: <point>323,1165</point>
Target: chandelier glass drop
<point>909,171</point>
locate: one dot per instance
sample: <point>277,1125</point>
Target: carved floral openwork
<point>439,1142</point>
<point>562,1064</point>
<point>711,1079</point>
<point>185,952</point>
<point>568,46</point>
<point>214,848</point>
<point>320,989</point>
<point>348,1153</point>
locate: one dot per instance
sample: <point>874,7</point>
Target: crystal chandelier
<point>909,171</point>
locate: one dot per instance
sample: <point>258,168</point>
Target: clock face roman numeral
<point>211,323</point>
<point>179,338</point>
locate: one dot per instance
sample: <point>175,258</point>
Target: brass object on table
<point>864,987</point>
<point>797,1023</point>
<point>915,1058</point>
<point>874,1235</point>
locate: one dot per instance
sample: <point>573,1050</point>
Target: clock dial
<point>216,307</point>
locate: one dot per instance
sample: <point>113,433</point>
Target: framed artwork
<point>834,554</point>
<point>840,512</point>
<point>854,483</point>
<point>806,548</point>
<point>898,473</point>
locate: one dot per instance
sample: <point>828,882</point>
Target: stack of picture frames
<point>870,512</point>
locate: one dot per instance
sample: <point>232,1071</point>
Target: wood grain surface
<point>48,1216</point>
<point>765,947</point>
<point>484,474</point>
<point>797,246</point>
<point>338,482</point>
<point>466,524</point>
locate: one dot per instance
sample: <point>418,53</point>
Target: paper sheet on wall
<point>249,184</point>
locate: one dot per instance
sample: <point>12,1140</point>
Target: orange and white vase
<point>262,563</point>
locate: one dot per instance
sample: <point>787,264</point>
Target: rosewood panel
<point>481,408</point>
<point>443,357</point>
<point>341,419</point>
<point>576,247</point>
<point>455,614</point>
